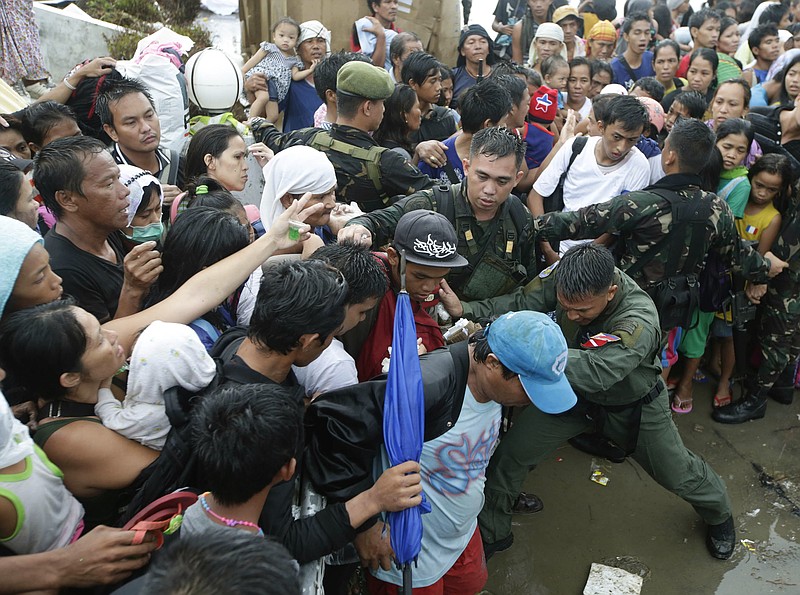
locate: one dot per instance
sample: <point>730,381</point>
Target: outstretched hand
<point>290,228</point>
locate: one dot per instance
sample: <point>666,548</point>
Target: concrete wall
<point>70,36</point>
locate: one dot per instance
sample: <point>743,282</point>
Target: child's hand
<point>313,64</point>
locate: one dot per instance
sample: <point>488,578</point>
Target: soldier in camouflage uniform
<point>642,219</point>
<point>779,337</point>
<point>495,230</point>
<point>614,339</point>
<point>643,222</point>
<point>365,173</point>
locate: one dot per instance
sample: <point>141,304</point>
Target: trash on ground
<point>598,474</point>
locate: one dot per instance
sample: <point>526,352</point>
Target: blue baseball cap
<point>531,345</point>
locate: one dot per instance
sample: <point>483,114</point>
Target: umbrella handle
<point>407,579</point>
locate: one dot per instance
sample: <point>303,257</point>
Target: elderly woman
<point>302,101</point>
<point>292,173</point>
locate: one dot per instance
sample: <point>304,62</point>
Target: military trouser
<point>660,451</point>
<point>780,346</point>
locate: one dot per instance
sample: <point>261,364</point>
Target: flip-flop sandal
<point>722,400</point>
<point>700,377</point>
<point>682,407</point>
<point>672,384</point>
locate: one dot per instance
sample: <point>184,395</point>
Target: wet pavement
<point>635,524</point>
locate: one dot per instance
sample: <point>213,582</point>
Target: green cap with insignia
<point>360,79</point>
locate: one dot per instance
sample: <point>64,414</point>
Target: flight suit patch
<point>599,340</point>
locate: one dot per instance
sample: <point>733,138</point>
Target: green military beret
<point>364,80</point>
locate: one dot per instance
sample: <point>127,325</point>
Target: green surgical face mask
<point>147,233</point>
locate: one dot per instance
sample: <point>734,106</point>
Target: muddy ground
<point>634,523</point>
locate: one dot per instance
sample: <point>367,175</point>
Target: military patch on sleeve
<point>599,340</point>
<point>628,330</point>
<point>546,273</point>
<point>626,326</point>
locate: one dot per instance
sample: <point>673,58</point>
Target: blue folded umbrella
<point>404,429</point>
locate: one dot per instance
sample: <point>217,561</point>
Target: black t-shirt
<point>94,282</point>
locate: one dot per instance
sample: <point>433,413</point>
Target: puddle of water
<point>772,568</point>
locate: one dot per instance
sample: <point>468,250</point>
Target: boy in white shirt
<point>607,165</point>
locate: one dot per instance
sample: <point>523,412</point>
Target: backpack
<point>175,467</point>
<point>555,202</point>
<point>322,141</point>
<point>677,295</point>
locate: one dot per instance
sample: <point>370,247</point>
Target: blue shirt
<point>538,144</point>
<point>301,103</point>
<point>621,75</point>
<point>438,174</point>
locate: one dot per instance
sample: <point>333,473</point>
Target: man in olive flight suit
<point>494,228</point>
<point>613,332</point>
<point>365,173</point>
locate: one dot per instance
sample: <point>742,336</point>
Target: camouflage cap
<point>360,79</point>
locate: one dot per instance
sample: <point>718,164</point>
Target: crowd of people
<point>589,213</point>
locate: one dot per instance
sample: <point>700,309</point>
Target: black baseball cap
<point>22,164</point>
<point>427,238</point>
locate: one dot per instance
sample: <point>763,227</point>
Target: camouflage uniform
<point>398,177</point>
<point>613,366</point>
<point>780,315</point>
<point>500,260</point>
<point>642,219</point>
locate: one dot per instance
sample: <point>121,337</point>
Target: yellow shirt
<point>750,227</point>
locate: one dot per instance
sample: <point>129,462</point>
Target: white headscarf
<point>15,440</point>
<point>136,180</point>
<point>295,170</point>
<point>166,355</point>
<point>312,29</point>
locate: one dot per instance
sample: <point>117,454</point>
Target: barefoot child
<point>280,64</point>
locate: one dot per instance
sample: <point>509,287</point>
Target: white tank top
<point>47,513</point>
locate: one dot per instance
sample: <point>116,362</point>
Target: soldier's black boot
<point>721,539</point>
<point>753,406</point>
<point>783,389</point>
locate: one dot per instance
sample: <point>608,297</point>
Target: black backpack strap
<point>174,167</point>
<point>577,146</point>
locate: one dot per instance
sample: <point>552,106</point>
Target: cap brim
<point>454,262</point>
<point>21,164</point>
<point>554,397</point>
